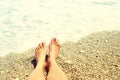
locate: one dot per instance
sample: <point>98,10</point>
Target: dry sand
<point>95,57</point>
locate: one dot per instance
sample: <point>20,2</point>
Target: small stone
<point>27,74</point>
<point>7,71</point>
<point>68,61</point>
<point>106,41</point>
<point>116,65</point>
<point>16,79</point>
<point>82,51</point>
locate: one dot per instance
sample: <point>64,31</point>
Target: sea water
<point>26,23</point>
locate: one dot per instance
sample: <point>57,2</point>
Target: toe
<point>36,49</point>
<point>43,44</point>
<point>53,40</point>
<point>56,42</point>
<point>40,45</point>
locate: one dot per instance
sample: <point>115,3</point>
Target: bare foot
<point>54,48</point>
<point>40,53</point>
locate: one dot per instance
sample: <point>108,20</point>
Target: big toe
<point>43,45</point>
<point>53,40</point>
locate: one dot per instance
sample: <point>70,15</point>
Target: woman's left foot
<point>40,53</point>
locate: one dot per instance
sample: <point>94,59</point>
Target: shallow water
<point>25,23</point>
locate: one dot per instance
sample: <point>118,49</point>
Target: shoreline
<point>25,25</point>
<point>95,56</point>
<point>62,42</point>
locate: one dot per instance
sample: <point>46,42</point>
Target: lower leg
<point>37,74</point>
<point>40,53</point>
<point>55,73</point>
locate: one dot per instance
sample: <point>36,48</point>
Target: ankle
<point>51,60</point>
<point>40,64</point>
<point>52,55</point>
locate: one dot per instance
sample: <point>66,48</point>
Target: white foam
<point>24,24</point>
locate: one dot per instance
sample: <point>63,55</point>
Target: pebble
<point>7,70</point>
<point>68,61</point>
<point>82,51</point>
<point>16,79</point>
<point>27,74</point>
<point>106,41</point>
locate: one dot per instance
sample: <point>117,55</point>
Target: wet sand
<point>94,57</point>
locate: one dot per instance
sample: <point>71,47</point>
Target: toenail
<point>43,43</point>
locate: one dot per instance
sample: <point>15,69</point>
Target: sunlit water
<point>25,23</point>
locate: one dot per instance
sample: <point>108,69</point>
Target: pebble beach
<point>94,57</point>
<point>89,33</point>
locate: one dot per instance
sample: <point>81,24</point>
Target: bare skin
<point>54,72</point>
<point>40,53</point>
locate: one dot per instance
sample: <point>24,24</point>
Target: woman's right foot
<point>40,53</point>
